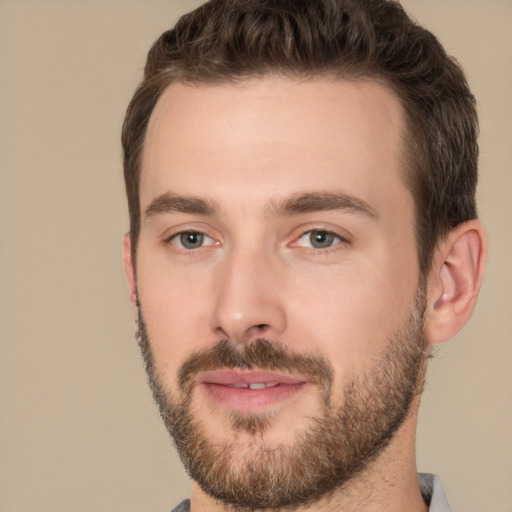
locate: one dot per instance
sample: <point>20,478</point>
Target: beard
<point>338,444</point>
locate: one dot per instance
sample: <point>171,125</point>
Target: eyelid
<point>176,240</point>
<point>177,231</point>
<point>343,238</point>
<point>341,233</point>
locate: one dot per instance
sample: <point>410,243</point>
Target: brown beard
<point>339,443</point>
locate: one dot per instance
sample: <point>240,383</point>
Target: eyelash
<point>177,236</point>
<point>339,241</point>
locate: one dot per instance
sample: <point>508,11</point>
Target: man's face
<point>278,279</point>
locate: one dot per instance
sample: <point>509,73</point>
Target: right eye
<point>318,239</point>
<point>190,240</point>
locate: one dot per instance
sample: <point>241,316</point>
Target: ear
<point>454,281</point>
<point>129,270</point>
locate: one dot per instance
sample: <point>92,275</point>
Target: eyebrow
<point>169,203</point>
<point>322,201</point>
<point>293,205</point>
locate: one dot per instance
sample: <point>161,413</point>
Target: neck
<point>388,484</point>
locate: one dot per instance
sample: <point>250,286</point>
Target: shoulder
<point>184,506</point>
<point>433,493</point>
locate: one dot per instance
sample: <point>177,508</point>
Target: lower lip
<point>251,400</point>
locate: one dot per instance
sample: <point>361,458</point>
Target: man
<point>301,183</point>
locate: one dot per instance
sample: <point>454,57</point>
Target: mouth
<point>250,391</point>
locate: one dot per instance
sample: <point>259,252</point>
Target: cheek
<point>344,323</point>
<point>350,316</point>
<point>176,312</point>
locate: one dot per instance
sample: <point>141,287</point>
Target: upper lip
<point>244,378</point>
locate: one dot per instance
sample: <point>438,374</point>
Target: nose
<point>248,298</point>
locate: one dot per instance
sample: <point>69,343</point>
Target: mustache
<point>261,354</point>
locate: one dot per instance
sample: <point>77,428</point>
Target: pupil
<point>191,240</point>
<point>321,239</point>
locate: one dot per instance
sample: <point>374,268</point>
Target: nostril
<point>222,333</point>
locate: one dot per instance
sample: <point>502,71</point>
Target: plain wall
<point>78,429</point>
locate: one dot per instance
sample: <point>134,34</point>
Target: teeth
<point>254,385</point>
<point>262,385</point>
<point>258,385</point>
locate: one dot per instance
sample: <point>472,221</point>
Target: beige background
<point>78,430</point>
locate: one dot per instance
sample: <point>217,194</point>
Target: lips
<point>249,391</point>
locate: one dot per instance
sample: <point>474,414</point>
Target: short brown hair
<point>232,40</point>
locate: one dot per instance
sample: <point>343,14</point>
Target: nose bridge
<point>248,303</point>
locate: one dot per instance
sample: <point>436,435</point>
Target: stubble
<point>338,444</point>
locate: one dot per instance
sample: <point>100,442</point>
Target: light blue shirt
<point>433,492</point>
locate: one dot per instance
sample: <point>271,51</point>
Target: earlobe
<point>454,281</point>
<point>130,271</point>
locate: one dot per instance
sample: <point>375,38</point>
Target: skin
<point>246,151</point>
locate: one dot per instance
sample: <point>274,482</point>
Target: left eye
<point>318,239</point>
<point>191,240</point>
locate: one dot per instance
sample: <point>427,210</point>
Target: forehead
<point>296,135</point>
